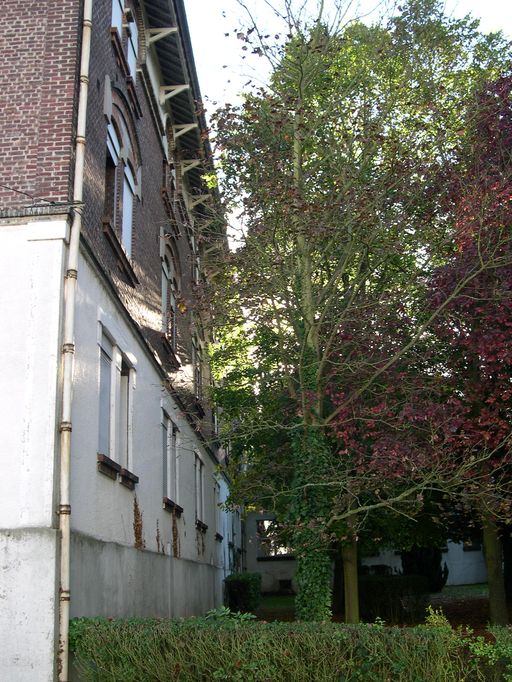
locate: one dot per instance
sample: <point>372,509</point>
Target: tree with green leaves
<point>339,168</point>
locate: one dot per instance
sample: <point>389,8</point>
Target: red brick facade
<point>38,81</point>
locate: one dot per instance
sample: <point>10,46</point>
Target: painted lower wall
<point>114,580</point>
<point>28,604</point>
<point>31,275</point>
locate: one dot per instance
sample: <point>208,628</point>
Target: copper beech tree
<point>335,394</point>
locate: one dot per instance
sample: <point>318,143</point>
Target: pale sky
<point>221,70</point>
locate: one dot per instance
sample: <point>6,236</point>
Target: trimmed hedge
<point>233,649</point>
<point>243,592</point>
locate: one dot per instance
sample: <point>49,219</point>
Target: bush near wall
<point>243,591</point>
<point>234,650</point>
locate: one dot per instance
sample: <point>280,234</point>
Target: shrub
<point>426,561</point>
<point>232,650</point>
<point>393,598</point>
<point>243,591</point>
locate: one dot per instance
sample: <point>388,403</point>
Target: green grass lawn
<point>461,591</point>
<point>277,601</point>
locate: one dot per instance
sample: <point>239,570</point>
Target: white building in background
<point>269,556</point>
<point>111,482</point>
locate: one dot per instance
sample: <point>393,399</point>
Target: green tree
<point>340,168</point>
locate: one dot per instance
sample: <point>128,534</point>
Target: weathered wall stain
<point>138,531</point>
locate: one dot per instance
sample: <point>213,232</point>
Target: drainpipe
<point>68,348</point>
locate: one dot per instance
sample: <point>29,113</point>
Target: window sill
<point>172,507</point>
<point>202,527</point>
<point>219,537</point>
<point>107,466</point>
<point>128,479</point>
<point>123,260</point>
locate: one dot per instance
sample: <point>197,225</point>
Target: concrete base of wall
<point>109,579</point>
<point>28,604</point>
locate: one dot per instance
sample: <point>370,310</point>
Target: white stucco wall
<point>271,569</point>
<point>464,568</point>
<point>31,276</point>
<point>109,574</point>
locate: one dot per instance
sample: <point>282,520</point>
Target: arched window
<point>122,178</point>
<point>170,292</point>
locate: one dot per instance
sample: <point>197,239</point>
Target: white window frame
<point>197,367</point>
<point>128,201</point>
<point>133,48</point>
<point>170,458</point>
<point>169,299</point>
<point>121,383</point>
<point>199,487</point>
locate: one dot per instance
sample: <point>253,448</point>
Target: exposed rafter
<point>201,199</point>
<point>168,91</point>
<point>188,164</point>
<point>183,128</point>
<point>155,34</point>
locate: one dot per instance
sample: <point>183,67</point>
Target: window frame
<point>116,429</point>
<point>170,458</point>
<point>199,488</point>
<point>170,293</point>
<point>197,367</point>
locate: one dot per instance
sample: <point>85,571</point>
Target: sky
<point>223,71</point>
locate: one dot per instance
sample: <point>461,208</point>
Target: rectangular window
<point>116,382</point>
<point>106,351</point>
<point>170,458</point>
<point>133,43</point>
<point>270,541</point>
<point>199,488</point>
<point>128,194</point>
<point>111,209</point>
<point>218,509</point>
<point>117,15</point>
<point>197,364</point>
<point>169,305</point>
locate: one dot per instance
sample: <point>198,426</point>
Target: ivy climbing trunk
<point>494,561</point>
<point>314,562</point>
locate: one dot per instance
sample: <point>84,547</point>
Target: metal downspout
<point>68,349</point>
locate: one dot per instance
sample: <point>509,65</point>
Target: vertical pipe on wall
<point>68,348</point>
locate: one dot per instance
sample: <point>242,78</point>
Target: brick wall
<point>39,44</point>
<point>142,300</point>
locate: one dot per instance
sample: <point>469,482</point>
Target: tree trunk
<point>494,561</point>
<point>506,543</point>
<point>338,597</point>
<point>350,581</point>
